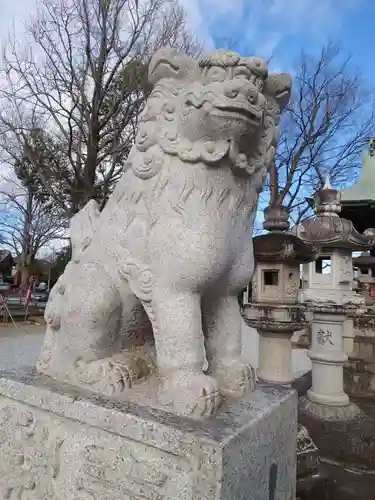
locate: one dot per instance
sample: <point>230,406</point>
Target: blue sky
<point>282,28</point>
<point>277,28</point>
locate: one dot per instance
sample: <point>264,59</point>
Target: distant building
<point>6,265</point>
<point>358,200</point>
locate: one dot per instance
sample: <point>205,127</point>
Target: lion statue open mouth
<point>152,287</point>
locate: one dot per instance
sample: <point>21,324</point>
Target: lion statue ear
<point>279,87</point>
<point>169,63</point>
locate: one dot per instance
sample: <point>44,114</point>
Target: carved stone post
<point>327,355</point>
<point>275,351</point>
<point>329,295</point>
<point>275,312</point>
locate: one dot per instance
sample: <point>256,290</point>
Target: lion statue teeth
<point>151,291</point>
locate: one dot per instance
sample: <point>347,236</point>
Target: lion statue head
<point>221,107</point>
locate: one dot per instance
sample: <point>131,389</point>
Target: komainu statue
<point>151,291</point>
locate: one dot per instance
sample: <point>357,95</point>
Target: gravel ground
<point>20,346</point>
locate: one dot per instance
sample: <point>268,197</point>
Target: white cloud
<point>264,20</point>
<point>266,49</point>
<point>262,24</point>
<point>196,20</point>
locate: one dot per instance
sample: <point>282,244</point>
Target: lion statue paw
<point>235,378</point>
<point>107,376</point>
<point>192,394</point>
<point>112,376</point>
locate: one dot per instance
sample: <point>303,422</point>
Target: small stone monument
<point>330,297</point>
<point>120,406</point>
<point>275,311</point>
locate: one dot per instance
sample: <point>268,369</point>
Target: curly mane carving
<point>159,132</point>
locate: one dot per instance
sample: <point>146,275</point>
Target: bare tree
<point>83,78</point>
<point>27,224</point>
<point>323,129</point>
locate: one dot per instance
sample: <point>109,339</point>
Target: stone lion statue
<point>152,287</point>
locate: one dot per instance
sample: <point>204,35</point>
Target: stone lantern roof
<point>327,229</point>
<point>364,261</point>
<point>279,245</point>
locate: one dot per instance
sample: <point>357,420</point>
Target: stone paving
<point>20,346</point>
<point>349,484</point>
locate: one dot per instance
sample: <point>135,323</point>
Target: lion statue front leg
<point>180,353</point>
<point>222,325</point>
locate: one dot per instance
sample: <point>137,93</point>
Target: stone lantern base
<point>347,412</point>
<point>327,398</point>
<point>276,325</point>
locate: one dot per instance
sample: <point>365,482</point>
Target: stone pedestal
<point>275,325</point>
<point>327,398</point>
<point>327,356</point>
<point>275,357</point>
<point>59,443</point>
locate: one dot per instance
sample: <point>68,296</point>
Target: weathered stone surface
<point>332,413</point>
<point>307,453</point>
<point>364,323</point>
<point>58,442</point>
<point>349,441</point>
<point>174,240</point>
<point>358,378</point>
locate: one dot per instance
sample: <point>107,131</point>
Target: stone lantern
<point>330,277</point>
<point>330,297</point>
<point>274,310</point>
<point>365,264</point>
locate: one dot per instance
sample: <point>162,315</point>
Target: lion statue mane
<point>151,290</point>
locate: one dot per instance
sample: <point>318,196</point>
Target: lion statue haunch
<point>153,283</point>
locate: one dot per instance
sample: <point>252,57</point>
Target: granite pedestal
<point>63,444</point>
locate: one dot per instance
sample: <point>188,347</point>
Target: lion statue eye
<point>216,74</point>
